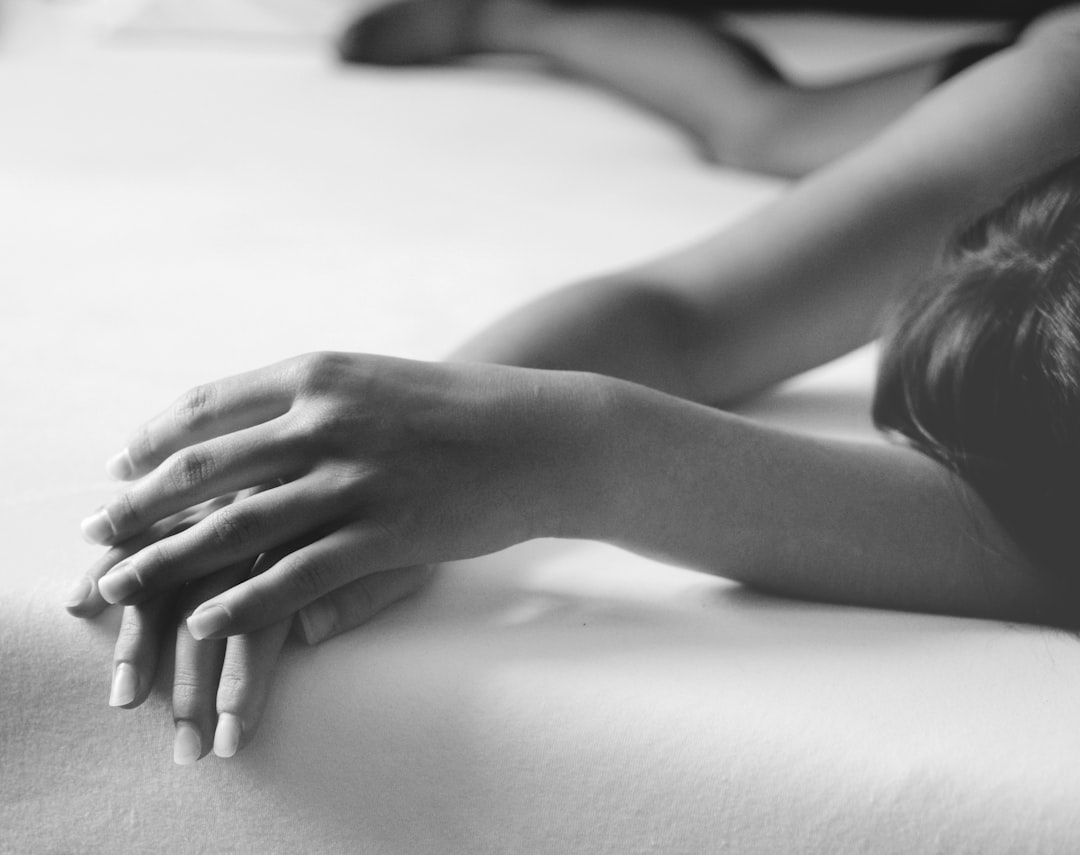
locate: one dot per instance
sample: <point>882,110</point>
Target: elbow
<point>676,334</point>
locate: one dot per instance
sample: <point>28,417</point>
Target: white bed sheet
<point>168,216</point>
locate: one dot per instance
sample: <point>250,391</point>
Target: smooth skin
<point>548,424</point>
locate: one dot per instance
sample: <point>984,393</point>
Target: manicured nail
<point>118,583</point>
<point>207,620</point>
<point>79,592</point>
<point>316,621</point>
<point>227,735</point>
<point>187,745</point>
<point>119,466</point>
<point>98,528</point>
<point>125,684</point>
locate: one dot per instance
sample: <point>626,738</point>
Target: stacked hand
<point>324,487</point>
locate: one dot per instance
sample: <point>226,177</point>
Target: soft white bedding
<point>170,215</point>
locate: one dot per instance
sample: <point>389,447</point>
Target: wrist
<point>650,481</point>
<point>567,427</point>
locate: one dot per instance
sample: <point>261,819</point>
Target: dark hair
<point>980,368</point>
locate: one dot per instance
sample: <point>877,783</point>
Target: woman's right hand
<point>380,463</point>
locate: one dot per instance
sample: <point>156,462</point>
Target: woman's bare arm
<point>387,463</point>
<point>836,521</point>
<point>806,279</point>
<point>452,461</point>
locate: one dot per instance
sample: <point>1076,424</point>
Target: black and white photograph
<point>540,427</point>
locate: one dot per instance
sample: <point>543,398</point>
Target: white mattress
<point>171,215</point>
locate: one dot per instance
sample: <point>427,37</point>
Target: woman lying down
<point>323,487</point>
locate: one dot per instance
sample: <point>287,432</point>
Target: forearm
<point>842,522</point>
<point>621,326</point>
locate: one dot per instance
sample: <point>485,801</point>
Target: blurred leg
<point>726,95</point>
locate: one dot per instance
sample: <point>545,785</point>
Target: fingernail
<point>125,683</point>
<point>98,528</point>
<point>207,620</point>
<point>79,592</point>
<point>187,745</point>
<point>119,466</point>
<point>227,735</point>
<point>119,583</point>
<point>316,621</point>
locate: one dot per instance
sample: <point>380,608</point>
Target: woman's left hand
<point>220,686</point>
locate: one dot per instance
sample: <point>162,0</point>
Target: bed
<point>175,208</point>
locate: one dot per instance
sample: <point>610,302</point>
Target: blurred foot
<point>413,32</point>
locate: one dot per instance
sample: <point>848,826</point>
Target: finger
<point>245,684</point>
<point>196,474</point>
<point>355,603</point>
<point>247,670</point>
<point>137,650</point>
<point>85,600</point>
<point>240,531</point>
<point>298,579</point>
<point>250,661</point>
<point>198,670</point>
<point>201,413</point>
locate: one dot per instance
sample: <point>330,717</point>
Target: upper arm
<point>807,278</point>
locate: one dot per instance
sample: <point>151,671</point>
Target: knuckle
<point>232,528</point>
<point>307,424</point>
<point>123,511</point>
<point>129,637</point>
<point>141,446</point>
<point>233,687</point>
<point>320,372</point>
<point>154,564</point>
<point>311,579</point>
<point>259,600</point>
<point>190,468</point>
<point>313,368</point>
<point>194,408</point>
<point>188,694</point>
<point>326,617</point>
